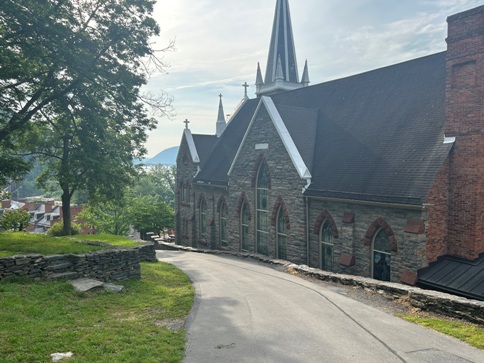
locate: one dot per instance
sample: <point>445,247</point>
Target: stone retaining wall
<point>111,265</point>
<point>442,303</point>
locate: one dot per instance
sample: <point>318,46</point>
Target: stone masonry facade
<point>354,225</point>
<point>450,222</point>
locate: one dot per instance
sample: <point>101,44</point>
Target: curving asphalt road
<point>248,312</point>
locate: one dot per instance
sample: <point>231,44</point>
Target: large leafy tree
<point>148,215</point>
<point>70,79</point>
<point>15,220</point>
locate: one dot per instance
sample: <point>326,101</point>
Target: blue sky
<point>218,45</point>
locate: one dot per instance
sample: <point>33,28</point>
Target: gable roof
<point>199,145</point>
<point>379,135</point>
<point>284,135</point>
<point>223,152</point>
<point>376,136</point>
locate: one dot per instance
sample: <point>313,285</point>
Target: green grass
<point>41,318</point>
<point>108,238</point>
<point>467,332</point>
<point>27,243</point>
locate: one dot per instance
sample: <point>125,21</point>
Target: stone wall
<point>354,229</point>
<point>263,145</point>
<point>113,265</point>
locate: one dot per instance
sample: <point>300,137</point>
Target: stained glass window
<point>203,220</point>
<point>262,212</point>
<point>244,227</point>
<point>223,225</point>
<point>281,235</point>
<point>327,246</point>
<point>381,256</point>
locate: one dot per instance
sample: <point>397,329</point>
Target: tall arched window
<point>381,256</point>
<point>327,246</point>
<point>281,234</point>
<point>244,227</point>
<point>223,224</point>
<point>203,220</point>
<point>262,215</point>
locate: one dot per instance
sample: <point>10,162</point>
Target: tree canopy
<point>71,73</point>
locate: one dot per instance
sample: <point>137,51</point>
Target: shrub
<point>15,220</point>
<point>57,229</point>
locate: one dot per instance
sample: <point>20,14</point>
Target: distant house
<point>378,174</point>
<point>42,214</point>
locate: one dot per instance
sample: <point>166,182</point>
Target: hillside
<point>165,157</point>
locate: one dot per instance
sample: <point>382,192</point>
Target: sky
<point>218,45</point>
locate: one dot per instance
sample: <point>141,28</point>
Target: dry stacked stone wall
<point>108,266</point>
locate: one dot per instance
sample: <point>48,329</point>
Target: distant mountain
<point>165,157</point>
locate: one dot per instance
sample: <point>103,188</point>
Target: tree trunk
<point>66,212</point>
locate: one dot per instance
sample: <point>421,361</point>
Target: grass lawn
<point>26,243</point>
<point>141,324</point>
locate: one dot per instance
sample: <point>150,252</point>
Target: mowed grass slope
<point>143,323</point>
<point>26,243</point>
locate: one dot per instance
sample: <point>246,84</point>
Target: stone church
<point>380,174</point>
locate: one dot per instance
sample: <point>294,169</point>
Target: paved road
<point>248,312</point>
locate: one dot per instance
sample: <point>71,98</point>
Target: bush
<point>15,220</point>
<point>57,229</point>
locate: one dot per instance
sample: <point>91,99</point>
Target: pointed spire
<point>258,79</point>
<point>221,118</point>
<point>282,45</point>
<point>281,73</point>
<point>279,76</point>
<point>305,77</point>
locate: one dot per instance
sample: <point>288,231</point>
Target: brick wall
<point>438,201</point>
<point>465,121</point>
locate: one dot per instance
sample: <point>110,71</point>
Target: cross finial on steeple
<point>245,85</point>
<point>186,122</point>
<point>220,95</point>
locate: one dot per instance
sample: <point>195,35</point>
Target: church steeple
<point>221,124</point>
<point>281,72</point>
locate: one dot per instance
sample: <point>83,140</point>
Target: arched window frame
<point>203,232</point>
<point>281,234</point>
<point>222,210</point>
<point>378,226</point>
<point>381,256</point>
<point>326,243</point>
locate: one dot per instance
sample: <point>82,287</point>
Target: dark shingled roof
<point>376,136</point>
<point>456,276</point>
<point>204,144</point>
<point>223,153</point>
<point>380,134</point>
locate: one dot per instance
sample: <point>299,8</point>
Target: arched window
<point>203,220</point>
<point>327,246</point>
<point>244,227</point>
<point>381,256</point>
<point>262,215</point>
<point>223,224</point>
<point>281,234</point>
